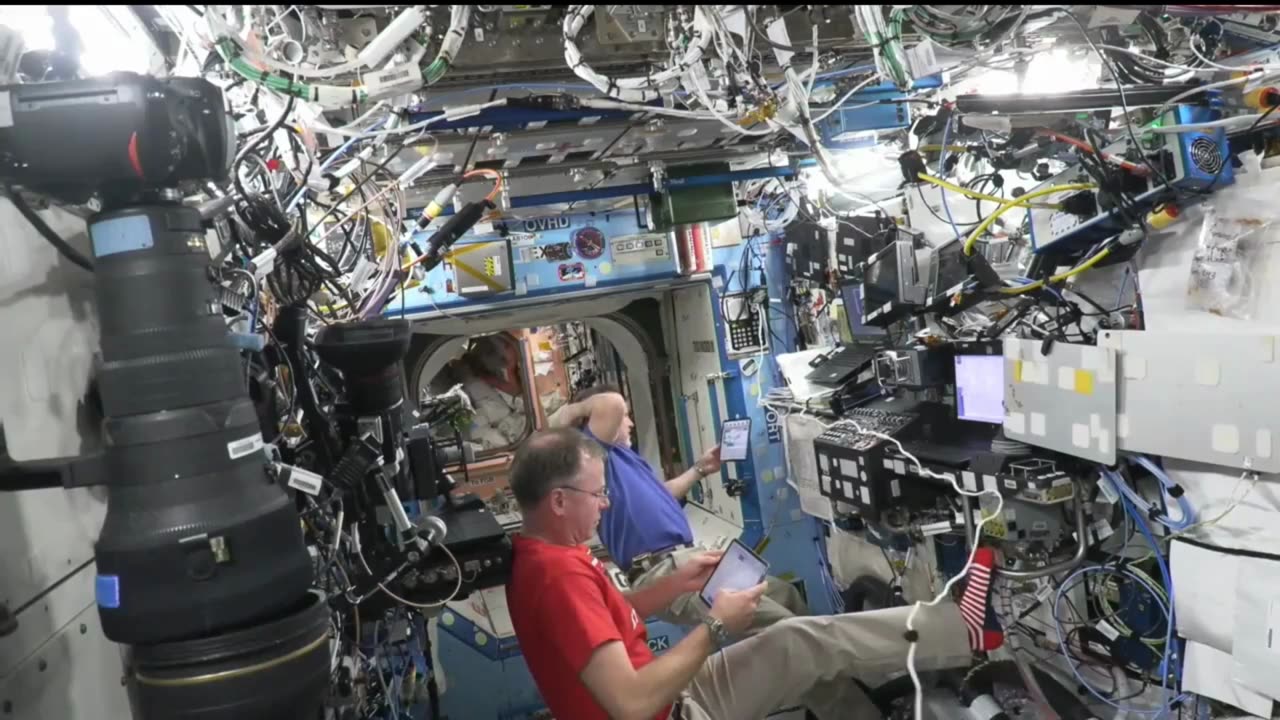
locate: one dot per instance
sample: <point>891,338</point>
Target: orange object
<point>1263,98</point>
<point>1166,216</point>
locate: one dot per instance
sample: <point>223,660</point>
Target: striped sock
<point>979,616</point>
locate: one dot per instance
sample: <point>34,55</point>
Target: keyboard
<point>843,364</point>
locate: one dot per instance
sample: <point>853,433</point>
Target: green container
<point>689,205</point>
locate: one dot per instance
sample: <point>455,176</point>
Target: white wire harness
<point>636,89</point>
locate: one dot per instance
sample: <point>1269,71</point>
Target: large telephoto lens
<point>198,537</point>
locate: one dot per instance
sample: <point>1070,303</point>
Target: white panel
<point>1203,396</point>
<point>47,312</point>
<point>73,675</point>
<point>698,356</point>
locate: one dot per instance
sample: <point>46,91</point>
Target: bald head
<point>549,459</point>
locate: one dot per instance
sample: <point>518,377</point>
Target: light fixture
<point>1051,71</point>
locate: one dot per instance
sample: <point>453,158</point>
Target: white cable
<point>1209,125</point>
<point>1147,58</point>
<point>321,127</point>
<point>355,537</point>
<point>1195,51</point>
<point>396,32</point>
<point>636,89</point>
<point>1256,74</point>
<point>844,98</point>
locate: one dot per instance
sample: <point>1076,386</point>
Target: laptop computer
<point>853,357</point>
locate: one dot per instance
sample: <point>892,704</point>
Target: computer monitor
<point>890,284</point>
<point>980,388</point>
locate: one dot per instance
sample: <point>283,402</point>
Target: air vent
<point>1206,155</point>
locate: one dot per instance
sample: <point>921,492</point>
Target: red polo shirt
<point>563,606</point>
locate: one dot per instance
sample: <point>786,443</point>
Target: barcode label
<point>1105,628</point>
<point>245,446</point>
<point>393,81</point>
<point>306,482</point>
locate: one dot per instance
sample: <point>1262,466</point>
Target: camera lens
<point>198,538</point>
<point>277,670</point>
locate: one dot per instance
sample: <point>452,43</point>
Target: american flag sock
<point>979,616</point>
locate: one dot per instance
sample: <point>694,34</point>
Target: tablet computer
<point>739,569</point>
<point>735,439</point>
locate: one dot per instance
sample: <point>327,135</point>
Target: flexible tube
<point>1007,205</point>
<point>974,194</point>
<point>1097,258</point>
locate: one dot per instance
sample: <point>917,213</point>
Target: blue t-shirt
<point>642,516</point>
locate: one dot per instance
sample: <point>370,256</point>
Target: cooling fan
<point>1200,157</point>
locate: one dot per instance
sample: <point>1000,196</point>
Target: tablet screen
<point>739,569</point>
<point>735,439</point>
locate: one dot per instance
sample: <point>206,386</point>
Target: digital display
<point>735,439</point>
<point>948,268</point>
<point>980,388</point>
<point>880,280</point>
<point>739,569</point>
<point>853,312</point>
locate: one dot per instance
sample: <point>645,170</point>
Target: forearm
<point>679,485</point>
<point>659,683</point>
<point>649,600</point>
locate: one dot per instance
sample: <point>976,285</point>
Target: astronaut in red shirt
<point>585,642</point>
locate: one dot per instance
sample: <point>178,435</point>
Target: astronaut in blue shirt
<point>644,528</point>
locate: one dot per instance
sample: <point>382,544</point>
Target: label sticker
<point>245,446</point>
<point>398,80</point>
<point>306,482</point>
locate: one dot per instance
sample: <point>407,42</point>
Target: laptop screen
<point>853,316</point>
<point>980,388</point>
<point>948,269</point>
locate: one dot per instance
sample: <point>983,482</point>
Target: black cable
<point>63,247</point>
<point>244,153</point>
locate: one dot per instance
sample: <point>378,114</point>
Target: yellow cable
<point>983,196</point>
<point>1058,278</point>
<point>1007,205</point>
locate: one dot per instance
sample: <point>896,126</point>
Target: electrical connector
<point>1083,204</point>
<point>454,228</point>
<point>442,200</point>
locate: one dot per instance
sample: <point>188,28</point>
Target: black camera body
<point>119,135</point>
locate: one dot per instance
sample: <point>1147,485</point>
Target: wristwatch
<point>719,635</point>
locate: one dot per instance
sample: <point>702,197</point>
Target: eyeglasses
<point>602,495</point>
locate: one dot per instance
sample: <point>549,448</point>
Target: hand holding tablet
<point>735,440</point>
<point>739,569</point>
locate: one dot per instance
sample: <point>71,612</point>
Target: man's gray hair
<point>547,460</point>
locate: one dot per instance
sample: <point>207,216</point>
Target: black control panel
<point>851,459</point>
